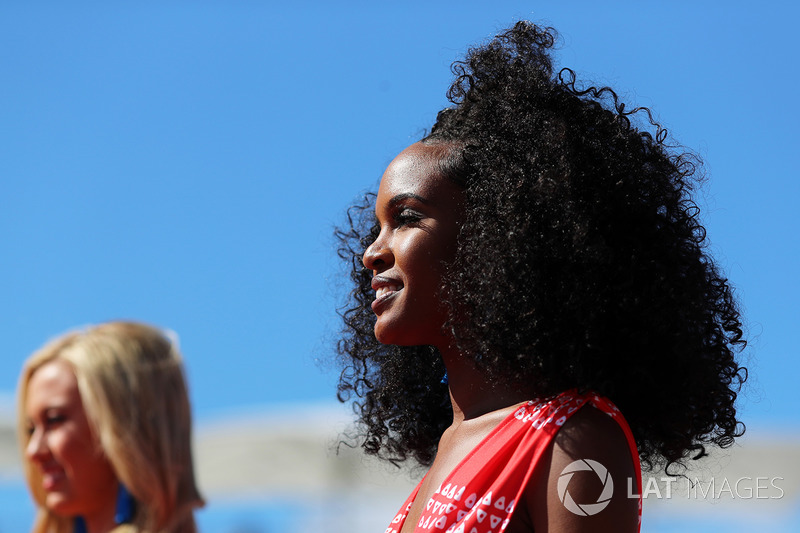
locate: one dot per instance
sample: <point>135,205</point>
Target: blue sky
<point>185,164</point>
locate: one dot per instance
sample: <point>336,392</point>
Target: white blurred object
<point>256,458</point>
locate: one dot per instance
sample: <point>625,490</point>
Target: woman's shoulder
<point>588,478</point>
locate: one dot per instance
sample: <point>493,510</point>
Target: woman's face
<point>75,475</point>
<point>419,214</point>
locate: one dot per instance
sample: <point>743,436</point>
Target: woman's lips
<point>385,289</point>
<point>51,477</point>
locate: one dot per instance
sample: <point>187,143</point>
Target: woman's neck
<point>102,520</point>
<point>471,393</point>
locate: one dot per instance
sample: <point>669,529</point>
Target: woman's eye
<point>407,216</point>
<point>52,420</point>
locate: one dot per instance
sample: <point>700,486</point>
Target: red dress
<point>479,495</point>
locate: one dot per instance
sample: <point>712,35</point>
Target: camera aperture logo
<point>585,509</point>
<point>717,489</point>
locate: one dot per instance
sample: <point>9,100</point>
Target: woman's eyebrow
<point>405,196</point>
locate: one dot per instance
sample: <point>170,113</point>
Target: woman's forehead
<point>416,171</point>
<point>54,380</point>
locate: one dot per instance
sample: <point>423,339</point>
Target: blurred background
<point>185,164</point>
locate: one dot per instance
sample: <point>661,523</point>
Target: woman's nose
<point>37,447</point>
<point>378,256</point>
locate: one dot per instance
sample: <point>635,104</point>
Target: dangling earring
<point>126,506</point>
<point>444,378</point>
<point>78,525</point>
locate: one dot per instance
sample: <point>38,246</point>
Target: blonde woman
<point>105,431</point>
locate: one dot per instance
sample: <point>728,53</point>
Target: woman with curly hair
<point>105,431</point>
<point>534,270</point>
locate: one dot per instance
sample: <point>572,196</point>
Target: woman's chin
<point>386,334</point>
<point>60,504</point>
<point>400,336</point>
<point>385,337</point>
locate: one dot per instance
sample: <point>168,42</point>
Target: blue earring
<point>79,525</point>
<point>444,378</point>
<point>126,506</point>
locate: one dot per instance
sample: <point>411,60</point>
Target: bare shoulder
<point>583,482</point>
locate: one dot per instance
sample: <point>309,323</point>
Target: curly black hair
<point>581,263</point>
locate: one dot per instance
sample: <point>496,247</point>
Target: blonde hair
<point>131,382</point>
